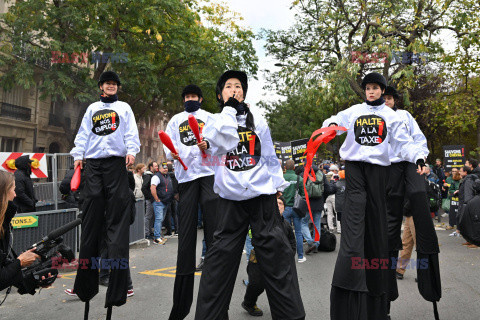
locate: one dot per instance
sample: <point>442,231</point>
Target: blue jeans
<point>204,248</point>
<point>159,208</point>
<point>290,215</point>
<point>248,246</point>
<point>200,218</point>
<point>306,231</point>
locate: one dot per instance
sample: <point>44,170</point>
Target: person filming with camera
<point>11,265</point>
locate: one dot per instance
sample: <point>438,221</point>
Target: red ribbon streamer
<point>312,146</point>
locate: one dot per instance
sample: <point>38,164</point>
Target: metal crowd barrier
<point>137,229</point>
<point>50,220</point>
<point>47,222</point>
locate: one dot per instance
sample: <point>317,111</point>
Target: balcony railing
<point>15,112</point>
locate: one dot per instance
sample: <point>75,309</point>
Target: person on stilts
<point>195,187</point>
<point>359,285</point>
<point>248,178</point>
<point>108,140</point>
<point>405,184</point>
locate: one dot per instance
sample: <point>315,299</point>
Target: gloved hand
<point>421,163</point>
<point>232,102</point>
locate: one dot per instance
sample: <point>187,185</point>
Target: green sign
<point>25,222</point>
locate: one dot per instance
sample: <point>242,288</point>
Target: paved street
<point>153,270</point>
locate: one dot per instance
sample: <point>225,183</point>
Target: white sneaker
<point>130,293</point>
<point>302,260</point>
<point>454,234</point>
<point>70,292</point>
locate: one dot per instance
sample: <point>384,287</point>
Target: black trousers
<point>404,183</point>
<point>273,252</point>
<point>359,286</point>
<point>192,194</point>
<point>106,207</point>
<point>255,284</point>
<point>104,273</point>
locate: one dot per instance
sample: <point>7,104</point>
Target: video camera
<point>49,248</point>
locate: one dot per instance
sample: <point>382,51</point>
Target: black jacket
<point>439,171</point>
<point>69,196</point>
<point>174,182</point>
<point>466,190</point>
<point>340,194</point>
<point>25,199</point>
<point>165,188</point>
<point>10,269</point>
<point>147,179</point>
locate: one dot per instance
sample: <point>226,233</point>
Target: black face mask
<point>192,105</point>
<point>377,102</point>
<point>108,99</point>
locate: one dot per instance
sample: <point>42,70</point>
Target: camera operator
<point>11,265</point>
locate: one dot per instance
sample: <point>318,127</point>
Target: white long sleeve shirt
<point>245,162</point>
<point>107,130</point>
<point>184,141</point>
<point>371,130</point>
<point>414,131</point>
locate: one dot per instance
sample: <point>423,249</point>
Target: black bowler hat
<point>374,77</point>
<point>109,76</point>
<point>391,91</point>
<point>232,74</point>
<point>192,89</point>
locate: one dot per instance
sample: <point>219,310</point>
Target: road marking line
<point>164,272</point>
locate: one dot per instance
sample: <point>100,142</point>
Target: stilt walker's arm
<point>221,133</point>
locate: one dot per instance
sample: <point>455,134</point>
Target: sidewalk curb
<point>144,243</point>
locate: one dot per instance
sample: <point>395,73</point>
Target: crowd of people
<point>458,188</point>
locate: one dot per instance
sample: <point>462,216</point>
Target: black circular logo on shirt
<point>248,151</point>
<point>105,122</point>
<point>186,135</point>
<point>370,130</point>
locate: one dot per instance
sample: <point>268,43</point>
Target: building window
<point>10,145</point>
<point>14,96</point>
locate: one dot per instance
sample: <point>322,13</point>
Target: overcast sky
<point>258,14</point>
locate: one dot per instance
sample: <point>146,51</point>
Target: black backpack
<point>328,241</point>
<point>434,195</point>
<point>469,221</point>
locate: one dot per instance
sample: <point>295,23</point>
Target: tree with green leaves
<point>167,45</point>
<point>333,44</point>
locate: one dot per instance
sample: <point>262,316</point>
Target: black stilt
<point>87,309</point>
<point>435,310</point>
<point>109,313</point>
